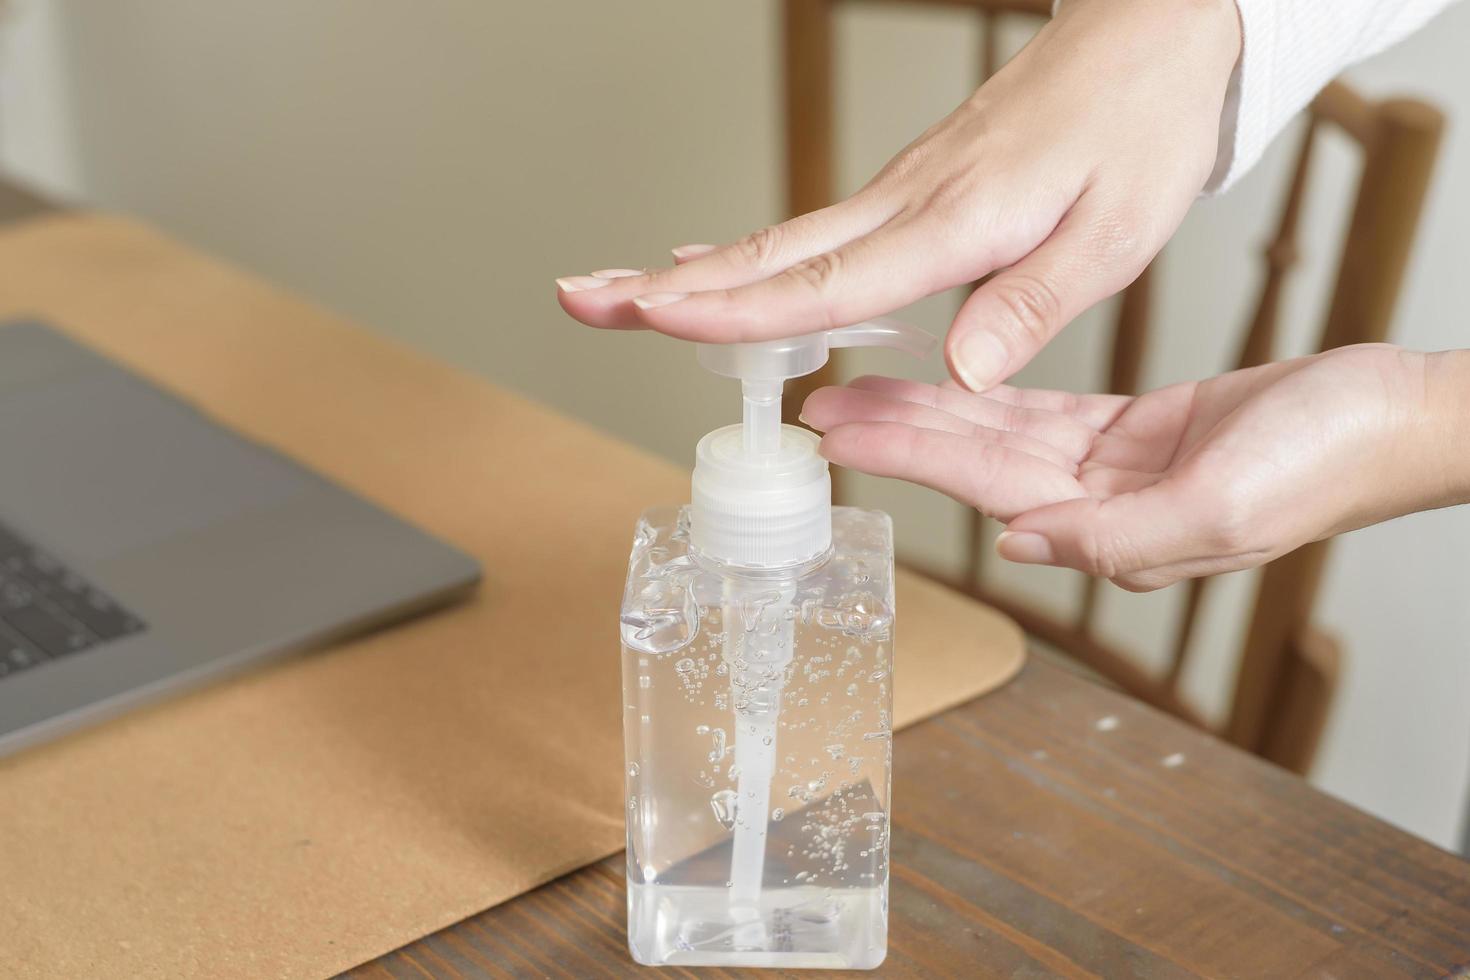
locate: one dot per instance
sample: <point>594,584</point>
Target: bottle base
<point>803,927</point>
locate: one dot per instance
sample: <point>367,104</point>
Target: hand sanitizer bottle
<point>757,631</point>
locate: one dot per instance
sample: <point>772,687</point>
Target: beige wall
<point>428,169</point>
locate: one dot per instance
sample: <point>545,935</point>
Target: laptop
<point>143,547</point>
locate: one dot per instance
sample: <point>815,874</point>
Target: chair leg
<point>1311,670</point>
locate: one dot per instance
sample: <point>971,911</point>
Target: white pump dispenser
<point>762,501</point>
<point>758,632</point>
<point>761,495</point>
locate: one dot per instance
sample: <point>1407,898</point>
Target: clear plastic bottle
<point>757,629</point>
<point>757,721</point>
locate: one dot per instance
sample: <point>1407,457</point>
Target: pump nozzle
<point>792,357</point>
<point>763,367</point>
<point>884,332</point>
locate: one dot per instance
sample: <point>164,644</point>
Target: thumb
<point>1118,538</point>
<point>1009,318</point>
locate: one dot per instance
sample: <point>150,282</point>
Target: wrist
<point>1214,25</point>
<point>1447,405</point>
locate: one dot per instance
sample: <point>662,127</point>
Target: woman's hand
<point>1067,171</point>
<point>1189,480</point>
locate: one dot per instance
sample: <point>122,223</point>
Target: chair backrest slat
<point>1281,257</point>
<point>989,43</point>
<point>1087,612</point>
<point>1131,336</point>
<point>1399,156</point>
<point>1194,596</point>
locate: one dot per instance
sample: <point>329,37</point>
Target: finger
<point>904,260</point>
<point>757,256</point>
<point>828,408</point>
<point>1146,444</point>
<point>842,406</point>
<point>1160,525</point>
<point>1110,481</point>
<point>1096,411</point>
<point>687,253</point>
<point>1013,315</point>
<point>993,478</point>
<point>1167,575</point>
<point>1072,436</point>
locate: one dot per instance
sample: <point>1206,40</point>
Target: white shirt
<point>1290,50</point>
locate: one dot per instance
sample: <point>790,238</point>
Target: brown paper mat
<point>315,814</point>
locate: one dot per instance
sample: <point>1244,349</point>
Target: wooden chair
<point>1288,669</point>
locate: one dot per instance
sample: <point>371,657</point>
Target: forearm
<point>1289,51</point>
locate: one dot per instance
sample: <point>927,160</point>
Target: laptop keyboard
<point>49,611</point>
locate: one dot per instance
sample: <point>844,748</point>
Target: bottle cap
<point>761,511</point>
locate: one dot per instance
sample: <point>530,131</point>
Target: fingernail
<point>806,422</point>
<point>653,300</point>
<point>576,284</point>
<point>685,252</point>
<point>1025,547</point>
<point>617,273</point>
<point>979,358</point>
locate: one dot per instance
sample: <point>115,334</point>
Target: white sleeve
<point>1290,50</point>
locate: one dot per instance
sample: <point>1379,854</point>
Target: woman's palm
<point>1190,479</point>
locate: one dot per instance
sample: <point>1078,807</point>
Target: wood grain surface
<point>1056,828</point>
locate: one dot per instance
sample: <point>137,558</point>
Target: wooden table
<point>1058,828</point>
